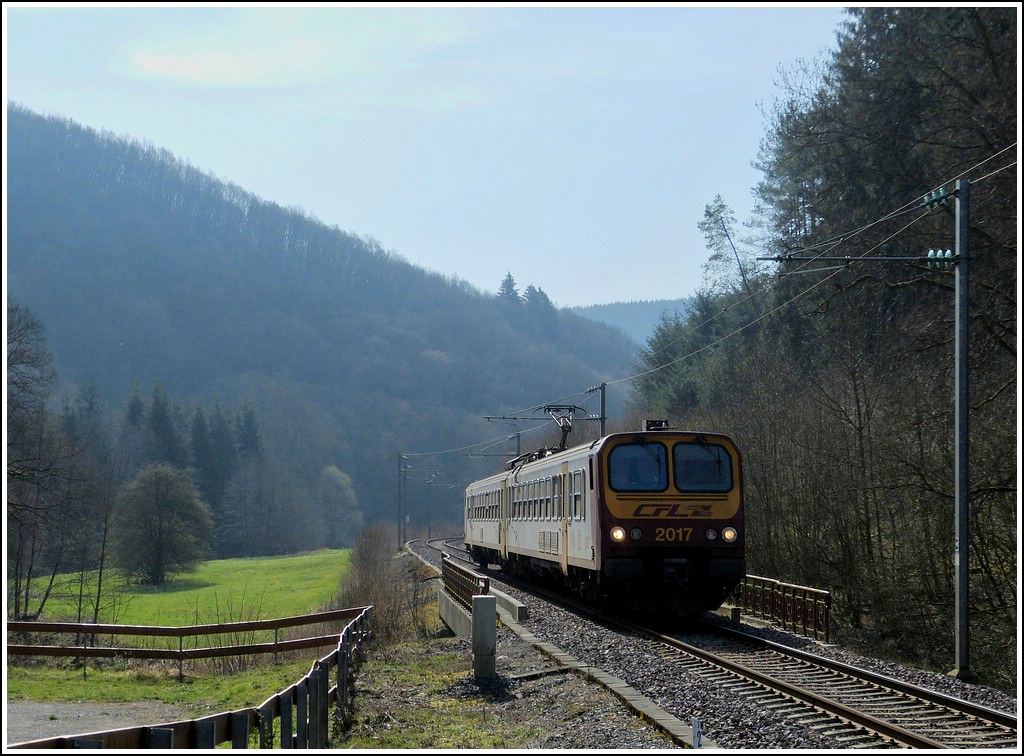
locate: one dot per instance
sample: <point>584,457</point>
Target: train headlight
<point>729,534</point>
<point>636,534</point>
<point>711,534</point>
<point>618,534</point>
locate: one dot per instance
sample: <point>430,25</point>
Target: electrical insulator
<point>939,259</point>
<point>935,199</point>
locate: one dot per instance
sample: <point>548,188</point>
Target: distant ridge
<point>637,319</point>
<point>145,272</point>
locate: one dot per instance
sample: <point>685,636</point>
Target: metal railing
<point>302,711</point>
<point>462,583</point>
<point>795,607</point>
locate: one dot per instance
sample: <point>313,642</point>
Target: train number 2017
<point>672,534</point>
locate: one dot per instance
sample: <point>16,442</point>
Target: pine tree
<point>509,292</point>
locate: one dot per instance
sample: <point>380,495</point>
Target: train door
<point>562,513</point>
<point>504,508</point>
<point>592,501</point>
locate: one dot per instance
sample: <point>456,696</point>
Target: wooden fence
<point>301,712</point>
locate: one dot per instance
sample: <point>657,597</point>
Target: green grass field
<point>228,590</point>
<point>223,590</point>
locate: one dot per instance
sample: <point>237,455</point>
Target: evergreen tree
<point>168,446</point>
<point>218,470</point>
<point>135,409</point>
<point>540,312</point>
<point>508,292</point>
<point>250,444</point>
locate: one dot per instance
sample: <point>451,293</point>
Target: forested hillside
<point>835,369</point>
<point>288,364</point>
<point>637,319</point>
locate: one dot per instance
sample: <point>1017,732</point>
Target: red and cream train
<point>649,520</point>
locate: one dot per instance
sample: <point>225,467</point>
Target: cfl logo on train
<point>671,510</point>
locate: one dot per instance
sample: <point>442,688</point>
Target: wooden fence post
<point>205,734</point>
<point>284,705</point>
<point>161,737</point>
<point>314,708</point>
<point>239,729</point>
<point>323,713</point>
<point>301,720</point>
<point>265,721</point>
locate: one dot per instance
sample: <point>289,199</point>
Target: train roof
<point>549,454</point>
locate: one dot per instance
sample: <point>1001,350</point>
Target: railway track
<point>865,709</point>
<point>909,714</point>
<point>855,707</point>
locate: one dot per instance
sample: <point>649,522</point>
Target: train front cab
<point>671,531</point>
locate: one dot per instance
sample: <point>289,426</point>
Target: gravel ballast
<point>726,719</point>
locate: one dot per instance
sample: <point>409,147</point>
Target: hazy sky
<point>572,146</point>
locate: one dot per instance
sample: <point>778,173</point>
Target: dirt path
<point>31,720</point>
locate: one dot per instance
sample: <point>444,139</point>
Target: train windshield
<point>638,467</point>
<point>703,467</point>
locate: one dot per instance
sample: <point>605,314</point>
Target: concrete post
<point>485,635</point>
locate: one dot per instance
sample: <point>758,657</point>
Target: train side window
<point>583,492</point>
<point>576,495</point>
<point>702,467</point>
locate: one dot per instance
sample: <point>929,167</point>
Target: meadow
<point>222,590</point>
<point>227,590</point>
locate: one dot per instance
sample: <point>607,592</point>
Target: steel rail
<point>894,732</point>
<point>994,716</point>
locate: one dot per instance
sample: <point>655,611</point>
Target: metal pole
<point>961,549</point>
<point>602,388</point>
<point>399,523</point>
